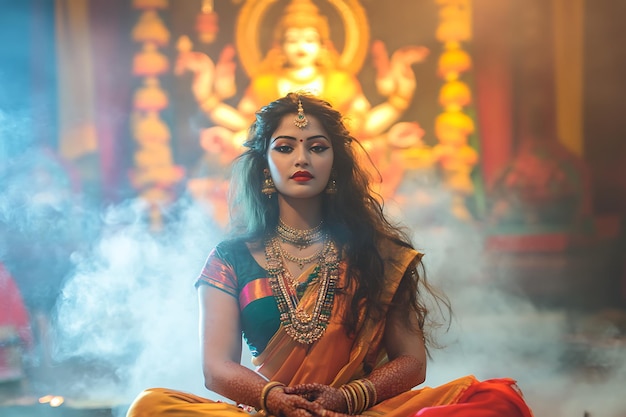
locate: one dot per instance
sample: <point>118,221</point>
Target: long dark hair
<point>354,215</point>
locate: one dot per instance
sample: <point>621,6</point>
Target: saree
<point>337,357</point>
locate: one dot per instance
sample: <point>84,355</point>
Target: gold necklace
<point>301,238</point>
<point>300,325</point>
<point>292,281</point>
<point>296,259</point>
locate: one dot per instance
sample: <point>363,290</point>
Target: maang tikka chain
<point>300,120</point>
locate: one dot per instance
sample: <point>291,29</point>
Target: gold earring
<point>331,187</point>
<point>268,187</point>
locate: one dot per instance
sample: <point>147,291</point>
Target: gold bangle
<point>365,392</point>
<point>372,390</point>
<point>356,405</point>
<point>360,395</point>
<point>265,392</point>
<point>348,398</point>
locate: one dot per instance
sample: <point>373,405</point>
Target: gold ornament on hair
<point>300,120</point>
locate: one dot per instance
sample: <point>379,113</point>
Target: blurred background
<point>496,126</point>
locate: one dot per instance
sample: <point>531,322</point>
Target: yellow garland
<point>154,172</point>
<point>454,28</point>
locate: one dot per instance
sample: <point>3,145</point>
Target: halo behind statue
<point>353,16</point>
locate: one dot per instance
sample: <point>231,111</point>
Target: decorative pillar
<point>534,76</point>
<point>493,75</point>
<point>568,24</point>
<point>545,187</point>
<point>155,173</point>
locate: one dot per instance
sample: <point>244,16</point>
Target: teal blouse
<point>231,268</point>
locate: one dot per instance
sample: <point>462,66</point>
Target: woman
<point>320,284</point>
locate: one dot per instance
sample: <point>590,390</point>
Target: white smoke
<point>132,307</point>
<point>498,332</point>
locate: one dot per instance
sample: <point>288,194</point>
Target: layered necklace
<point>301,238</point>
<point>300,325</point>
<point>300,261</point>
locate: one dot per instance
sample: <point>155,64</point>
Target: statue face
<point>302,47</point>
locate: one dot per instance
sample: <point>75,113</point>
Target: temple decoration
<point>273,67</point>
<point>207,23</point>
<point>353,18</point>
<point>155,173</point>
<point>453,153</point>
<point>150,61</point>
<point>151,29</point>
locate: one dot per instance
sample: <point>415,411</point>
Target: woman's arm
<point>405,347</point>
<point>220,337</point>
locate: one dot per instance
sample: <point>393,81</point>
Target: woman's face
<point>302,46</point>
<point>300,160</point>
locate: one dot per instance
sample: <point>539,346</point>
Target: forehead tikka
<point>300,120</point>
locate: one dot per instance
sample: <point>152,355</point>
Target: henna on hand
<point>281,403</point>
<point>329,398</point>
<point>396,377</point>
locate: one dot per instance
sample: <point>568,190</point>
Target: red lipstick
<point>301,176</point>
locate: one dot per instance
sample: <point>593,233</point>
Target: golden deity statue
<point>302,57</point>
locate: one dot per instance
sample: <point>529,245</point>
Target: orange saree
<point>337,358</point>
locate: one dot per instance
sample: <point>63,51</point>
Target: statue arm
<point>236,119</point>
<point>203,70</point>
<point>225,115</point>
<point>212,84</point>
<point>395,80</point>
<point>380,118</point>
<point>367,121</point>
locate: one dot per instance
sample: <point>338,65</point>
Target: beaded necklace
<point>300,261</point>
<point>302,238</point>
<point>301,326</point>
<point>300,287</point>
